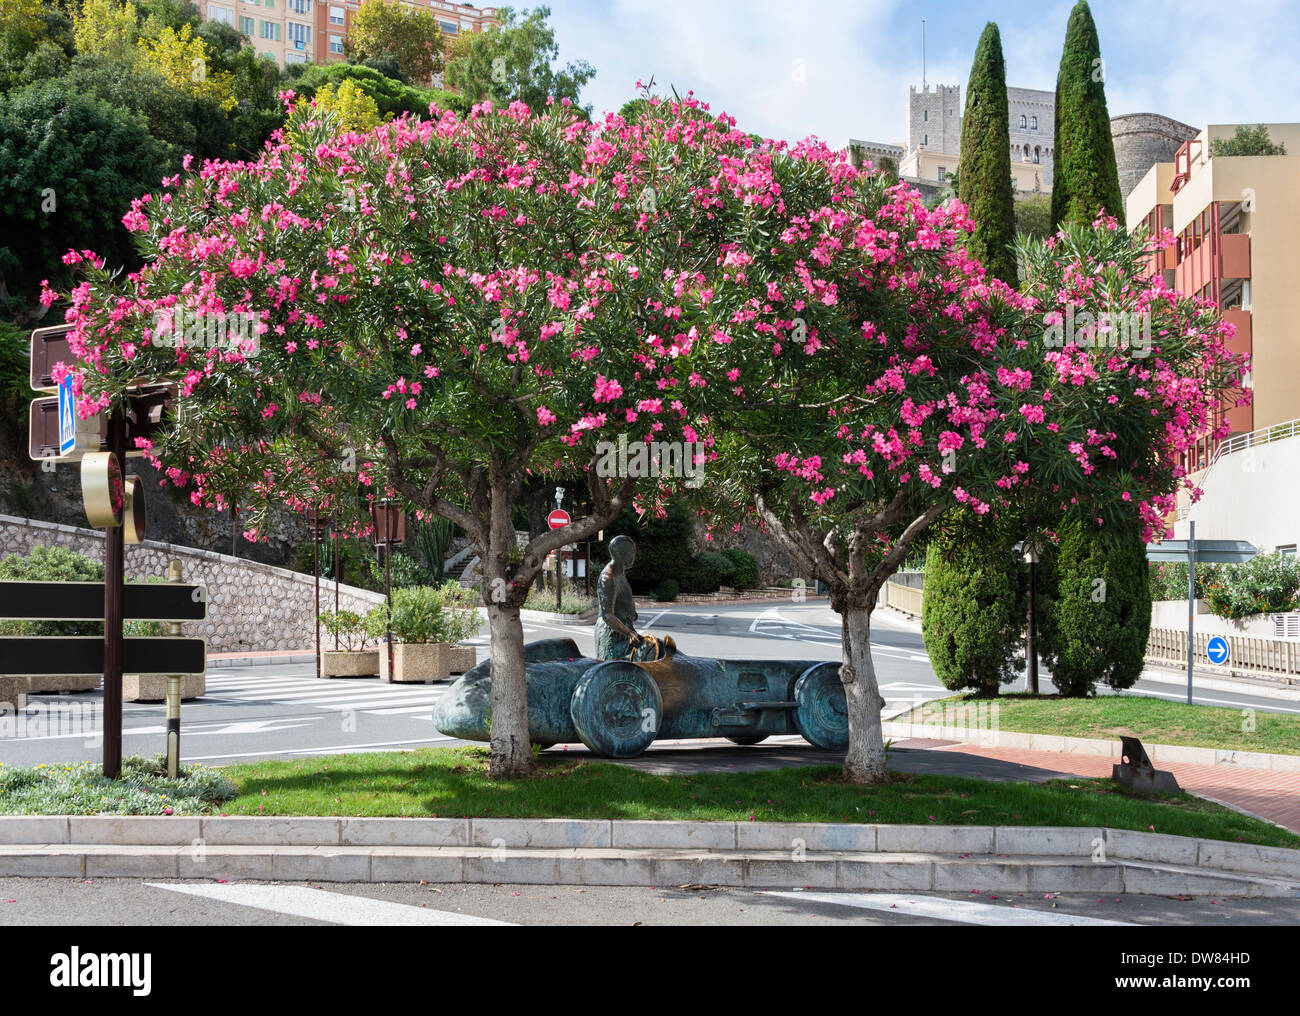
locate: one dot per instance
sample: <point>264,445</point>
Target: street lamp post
<point>1030,553</point>
<point>390,528</point>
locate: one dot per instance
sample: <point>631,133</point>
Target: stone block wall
<point>251,606</point>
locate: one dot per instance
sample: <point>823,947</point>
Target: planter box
<point>415,663</point>
<point>13,694</point>
<point>461,658</point>
<point>153,687</point>
<point>364,663</point>
<point>45,684</point>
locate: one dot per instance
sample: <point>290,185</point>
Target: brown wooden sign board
<point>84,601</point>
<point>78,656</point>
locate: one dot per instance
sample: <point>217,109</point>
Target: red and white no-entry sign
<point>558,519</point>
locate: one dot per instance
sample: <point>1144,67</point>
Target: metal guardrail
<point>1251,653</point>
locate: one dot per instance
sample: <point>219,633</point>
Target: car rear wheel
<point>822,716</point>
<point>748,739</point>
<point>617,709</point>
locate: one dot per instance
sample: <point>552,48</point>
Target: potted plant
<point>354,659</point>
<point>422,629</point>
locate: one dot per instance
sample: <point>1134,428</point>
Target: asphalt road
<point>284,711</point>
<point>111,902</point>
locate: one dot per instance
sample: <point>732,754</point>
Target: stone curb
<point>276,660</point>
<point>609,867</point>
<point>1161,754</point>
<point>723,844</point>
<point>542,617</point>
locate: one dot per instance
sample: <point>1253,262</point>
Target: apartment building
<point>312,31</point>
<point>1237,224</point>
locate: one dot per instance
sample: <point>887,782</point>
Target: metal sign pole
<point>114,580</point>
<point>1191,606</point>
<point>174,693</point>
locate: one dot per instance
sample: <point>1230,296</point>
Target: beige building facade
<point>312,31</point>
<point>1236,220</point>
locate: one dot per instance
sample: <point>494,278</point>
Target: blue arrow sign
<point>67,418</point>
<point>1217,650</point>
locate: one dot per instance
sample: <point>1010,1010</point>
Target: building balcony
<point>1219,256</point>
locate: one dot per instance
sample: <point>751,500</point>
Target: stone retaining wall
<point>251,606</point>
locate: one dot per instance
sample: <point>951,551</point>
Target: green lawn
<point>1106,717</point>
<point>453,782</point>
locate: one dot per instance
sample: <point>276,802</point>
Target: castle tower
<point>934,118</point>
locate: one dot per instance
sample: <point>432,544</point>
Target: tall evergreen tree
<point>984,176</point>
<point>1086,176</point>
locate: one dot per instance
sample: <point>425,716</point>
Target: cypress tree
<point>984,174</point>
<point>1086,177</point>
<point>1102,615</point>
<point>973,608</point>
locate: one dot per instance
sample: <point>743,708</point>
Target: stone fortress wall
<point>252,606</point>
<point>1142,140</point>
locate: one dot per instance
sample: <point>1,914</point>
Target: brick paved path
<point>1270,795</point>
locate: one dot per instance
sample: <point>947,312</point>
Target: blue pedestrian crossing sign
<point>67,418</point>
<point>1217,650</point>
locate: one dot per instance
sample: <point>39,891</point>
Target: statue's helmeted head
<point>623,550</point>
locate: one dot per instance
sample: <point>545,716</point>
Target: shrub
<point>142,789</point>
<point>421,614</point>
<point>660,544</point>
<point>973,611</point>
<point>744,573</point>
<point>707,573</point>
<point>1265,584</point>
<point>51,564</point>
<point>1168,580</point>
<point>349,626</point>
<point>667,591</point>
<point>573,602</point>
<point>1103,611</point>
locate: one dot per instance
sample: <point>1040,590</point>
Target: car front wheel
<point>617,709</point>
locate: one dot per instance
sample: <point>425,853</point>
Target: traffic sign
<point>1217,650</point>
<point>78,656</point>
<point>67,417</point>
<point>84,601</point>
<point>558,519</point>
<point>1208,551</point>
<point>50,346</point>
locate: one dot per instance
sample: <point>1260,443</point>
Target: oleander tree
<point>877,379</point>
<point>450,307</point>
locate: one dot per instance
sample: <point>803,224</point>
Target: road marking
<point>333,908</point>
<point>404,710</point>
<point>1204,700</point>
<point>955,911</point>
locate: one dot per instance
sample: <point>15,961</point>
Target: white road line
<point>334,908</point>
<point>331,750</point>
<point>956,911</point>
<point>1200,700</point>
<point>365,705</point>
<point>426,709</point>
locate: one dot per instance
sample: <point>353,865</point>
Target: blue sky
<point>1197,61</point>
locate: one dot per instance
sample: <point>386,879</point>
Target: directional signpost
<point>100,444</point>
<point>558,519</point>
<point>1192,550</point>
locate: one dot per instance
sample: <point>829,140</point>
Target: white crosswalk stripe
<point>360,695</point>
<point>939,908</point>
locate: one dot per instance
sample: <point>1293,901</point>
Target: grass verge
<point>453,782</point>
<point>1107,717</point>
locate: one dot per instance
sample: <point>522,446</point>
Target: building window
<point>925,116</point>
<point>925,140</point>
<point>336,44</point>
<point>1036,160</point>
<point>223,15</point>
<point>271,31</point>
<point>1033,123</point>
<point>1022,123</point>
<point>300,6</point>
<point>299,35</point>
<point>943,171</point>
<point>246,26</point>
<point>1287,551</point>
<point>449,28</point>
<point>336,15</point>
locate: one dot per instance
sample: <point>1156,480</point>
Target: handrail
<point>1262,436</point>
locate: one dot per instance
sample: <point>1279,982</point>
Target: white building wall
<point>1250,495</point>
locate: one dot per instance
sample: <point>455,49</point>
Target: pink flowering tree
<point>875,378</point>
<point>437,311</point>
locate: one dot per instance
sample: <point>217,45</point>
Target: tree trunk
<point>512,750</point>
<point>865,761</point>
